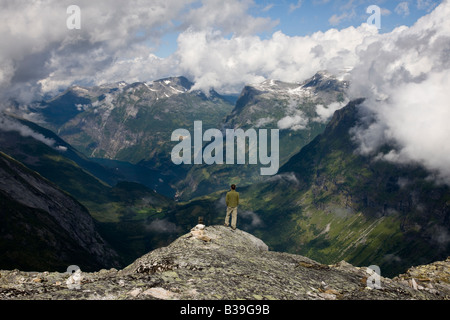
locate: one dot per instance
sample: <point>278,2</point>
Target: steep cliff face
<point>121,208</point>
<point>330,203</point>
<point>43,227</point>
<point>218,263</point>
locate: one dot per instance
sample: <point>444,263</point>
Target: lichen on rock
<point>232,264</point>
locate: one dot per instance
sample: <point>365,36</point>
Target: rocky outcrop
<point>433,277</point>
<point>42,227</point>
<point>219,263</point>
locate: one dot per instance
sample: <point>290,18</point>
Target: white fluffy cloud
<point>326,112</point>
<point>230,16</point>
<point>9,124</point>
<point>211,59</point>
<point>117,41</point>
<point>217,47</point>
<point>294,119</point>
<point>405,76</point>
<point>295,122</point>
<point>40,52</point>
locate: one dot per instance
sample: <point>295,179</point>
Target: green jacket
<point>232,199</point>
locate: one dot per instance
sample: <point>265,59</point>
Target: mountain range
<point>289,107</point>
<point>118,124</point>
<point>108,149</point>
<point>133,122</point>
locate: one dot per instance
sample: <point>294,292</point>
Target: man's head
<point>233,187</point>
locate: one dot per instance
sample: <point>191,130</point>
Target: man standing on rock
<point>232,201</point>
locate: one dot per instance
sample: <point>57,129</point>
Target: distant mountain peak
<point>323,88</point>
<point>180,81</point>
<point>161,88</point>
<point>165,87</point>
<point>322,80</point>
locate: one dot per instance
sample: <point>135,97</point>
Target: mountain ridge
<point>43,226</point>
<point>291,108</point>
<point>133,122</point>
<point>339,204</point>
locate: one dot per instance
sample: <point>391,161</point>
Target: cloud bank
<point>218,45</point>
<point>39,53</point>
<point>405,76</point>
<point>8,124</point>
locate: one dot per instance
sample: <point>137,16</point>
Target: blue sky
<point>301,18</point>
<point>305,17</point>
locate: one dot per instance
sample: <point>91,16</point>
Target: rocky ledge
<point>217,262</point>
